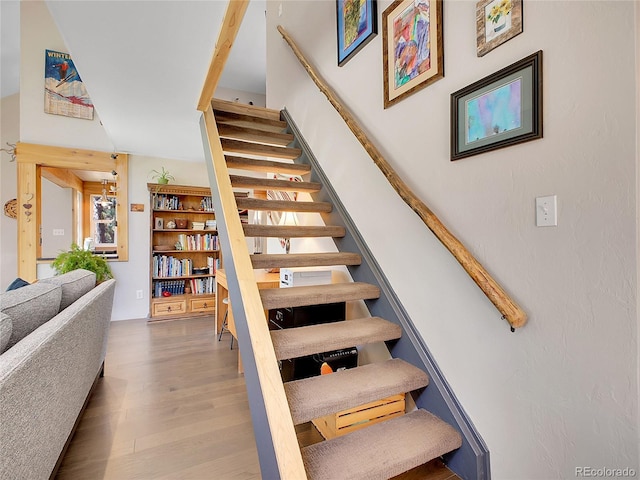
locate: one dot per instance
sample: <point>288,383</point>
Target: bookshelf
<point>185,252</point>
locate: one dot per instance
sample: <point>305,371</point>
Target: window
<point>104,223</point>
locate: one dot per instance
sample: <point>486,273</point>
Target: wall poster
<point>64,92</point>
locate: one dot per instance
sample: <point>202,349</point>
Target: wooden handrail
<point>509,309</point>
<point>285,444</point>
<point>230,26</point>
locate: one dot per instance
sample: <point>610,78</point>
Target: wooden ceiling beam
<point>62,177</point>
<point>64,157</point>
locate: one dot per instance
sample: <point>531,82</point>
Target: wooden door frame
<point>31,160</point>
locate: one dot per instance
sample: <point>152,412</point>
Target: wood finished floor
<point>172,406</point>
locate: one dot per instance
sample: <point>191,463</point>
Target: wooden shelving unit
<point>173,269</point>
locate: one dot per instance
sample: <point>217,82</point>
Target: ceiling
<point>144,64</point>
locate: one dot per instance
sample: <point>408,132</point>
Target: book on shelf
<point>174,287</point>
<point>201,286</point>
<point>169,266</point>
<point>198,242</point>
<point>206,204</point>
<point>166,202</point>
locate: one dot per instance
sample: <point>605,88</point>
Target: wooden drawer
<point>356,418</point>
<point>203,304</point>
<point>174,307</point>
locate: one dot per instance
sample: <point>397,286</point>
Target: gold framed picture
<point>412,47</point>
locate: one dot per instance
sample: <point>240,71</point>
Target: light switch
<point>58,232</point>
<point>547,211</point>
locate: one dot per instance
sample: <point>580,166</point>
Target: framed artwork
<point>496,22</point>
<point>158,223</point>
<point>412,47</point>
<point>498,111</point>
<point>64,92</point>
<point>357,25</point>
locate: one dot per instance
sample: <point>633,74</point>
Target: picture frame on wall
<point>500,110</point>
<point>412,47</point>
<point>357,24</point>
<point>497,21</point>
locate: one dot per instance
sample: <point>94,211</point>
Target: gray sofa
<point>53,339</point>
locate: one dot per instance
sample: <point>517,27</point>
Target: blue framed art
<point>357,25</point>
<point>498,111</point>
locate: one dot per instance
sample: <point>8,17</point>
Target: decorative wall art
<point>64,92</point>
<point>412,47</point>
<point>496,22</point>
<point>357,25</point>
<point>498,111</point>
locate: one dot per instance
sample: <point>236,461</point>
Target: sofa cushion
<point>29,307</point>
<point>74,284</point>
<point>17,283</point>
<point>6,326</point>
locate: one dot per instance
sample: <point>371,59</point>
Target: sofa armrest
<point>44,381</point>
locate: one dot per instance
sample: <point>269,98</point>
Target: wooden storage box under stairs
<point>347,421</point>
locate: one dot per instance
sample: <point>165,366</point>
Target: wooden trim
<point>62,177</point>
<point>170,189</point>
<point>285,444</point>
<point>122,197</point>
<point>505,304</point>
<point>63,157</point>
<point>30,159</point>
<point>230,26</point>
<point>27,221</point>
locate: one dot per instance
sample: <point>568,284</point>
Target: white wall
<point>9,132</point>
<point>561,392</point>
<point>241,96</point>
<point>57,214</point>
<point>38,33</point>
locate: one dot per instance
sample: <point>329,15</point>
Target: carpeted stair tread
<point>383,450</point>
<point>293,231</point>
<point>267,166</point>
<point>301,341</point>
<point>219,105</point>
<point>251,134</point>
<point>276,260</point>
<point>239,181</point>
<point>250,148</point>
<point>317,294</point>
<point>250,203</point>
<point>322,395</point>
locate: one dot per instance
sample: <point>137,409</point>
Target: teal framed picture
<point>357,25</point>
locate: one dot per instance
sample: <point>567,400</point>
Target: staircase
<point>254,140</point>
